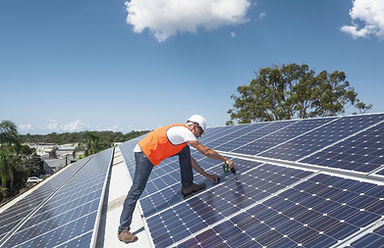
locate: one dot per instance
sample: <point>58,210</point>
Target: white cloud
<point>371,14</point>
<point>165,18</point>
<point>52,125</point>
<point>77,125</point>
<point>233,34</point>
<point>25,127</point>
<point>262,15</point>
<point>115,128</point>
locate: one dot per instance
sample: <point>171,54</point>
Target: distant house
<point>50,165</point>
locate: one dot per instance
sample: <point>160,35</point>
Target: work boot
<point>126,236</point>
<point>193,188</point>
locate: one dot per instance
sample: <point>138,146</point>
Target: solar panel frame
<point>21,210</point>
<point>52,227</point>
<point>321,138</point>
<point>351,153</point>
<point>286,133</point>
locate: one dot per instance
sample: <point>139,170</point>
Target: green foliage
<point>9,135</point>
<point>65,138</point>
<point>293,91</point>
<point>92,143</point>
<point>17,161</point>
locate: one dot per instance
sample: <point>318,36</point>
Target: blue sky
<point>77,65</point>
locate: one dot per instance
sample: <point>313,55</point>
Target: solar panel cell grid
<point>318,211</point>
<point>214,204</point>
<point>284,134</point>
<point>221,143</point>
<point>161,198</point>
<point>245,144</point>
<point>286,219</point>
<point>68,213</point>
<point>294,150</point>
<point>81,241</point>
<point>362,152</point>
<point>15,214</point>
<point>217,133</point>
<point>371,240</point>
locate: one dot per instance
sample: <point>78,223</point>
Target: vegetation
<point>17,162</point>
<point>65,138</point>
<point>91,144</point>
<point>293,91</point>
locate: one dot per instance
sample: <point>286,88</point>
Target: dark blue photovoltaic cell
<point>166,174</point>
<point>362,152</point>
<point>82,241</point>
<point>126,149</point>
<point>220,142</point>
<point>280,136</point>
<point>296,149</point>
<point>313,213</point>
<point>16,213</point>
<point>218,132</point>
<point>244,144</point>
<point>171,195</point>
<point>372,239</point>
<point>212,205</point>
<point>70,212</point>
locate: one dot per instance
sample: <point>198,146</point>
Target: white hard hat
<point>199,120</point>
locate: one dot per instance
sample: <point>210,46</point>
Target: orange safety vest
<point>157,147</point>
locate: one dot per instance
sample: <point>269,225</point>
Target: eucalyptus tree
<point>293,91</point>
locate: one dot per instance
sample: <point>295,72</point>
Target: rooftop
<point>299,182</point>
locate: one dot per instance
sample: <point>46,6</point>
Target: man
<point>158,145</point>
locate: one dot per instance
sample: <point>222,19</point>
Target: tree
<point>17,161</point>
<point>91,144</point>
<point>9,135</point>
<point>293,91</point>
<point>6,172</point>
<point>9,142</point>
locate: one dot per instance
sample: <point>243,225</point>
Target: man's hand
<point>230,163</point>
<point>215,179</point>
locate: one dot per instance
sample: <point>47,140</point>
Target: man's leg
<point>142,172</point>
<point>185,167</point>
<point>188,187</point>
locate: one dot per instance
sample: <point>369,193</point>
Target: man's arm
<point>213,178</point>
<point>210,153</point>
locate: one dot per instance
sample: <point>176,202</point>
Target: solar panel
<point>280,204</point>
<point>218,132</point>
<point>302,215</point>
<point>300,197</point>
<point>242,130</point>
<point>20,210</point>
<point>244,143</point>
<point>371,239</point>
<point>363,152</point>
<point>70,214</point>
<point>311,142</point>
<point>281,135</point>
<point>217,203</point>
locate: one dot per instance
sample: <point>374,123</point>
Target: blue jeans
<point>142,172</point>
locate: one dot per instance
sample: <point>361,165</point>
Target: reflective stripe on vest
<point>157,147</point>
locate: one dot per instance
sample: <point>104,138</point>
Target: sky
<point>68,66</point>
